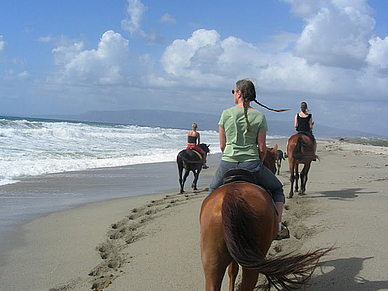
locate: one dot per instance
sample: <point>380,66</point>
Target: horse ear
<point>274,150</point>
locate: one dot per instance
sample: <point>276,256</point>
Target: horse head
<point>270,159</point>
<point>205,147</point>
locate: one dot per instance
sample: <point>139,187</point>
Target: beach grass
<point>367,141</point>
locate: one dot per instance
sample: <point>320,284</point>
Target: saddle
<point>239,175</point>
<point>309,134</point>
<point>242,175</point>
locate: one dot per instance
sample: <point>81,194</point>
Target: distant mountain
<point>145,117</point>
<point>183,120</point>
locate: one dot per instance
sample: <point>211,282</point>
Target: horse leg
<point>180,170</point>
<point>303,178</point>
<point>296,171</point>
<point>184,180</point>
<point>249,279</point>
<point>196,176</point>
<point>215,258</point>
<point>232,272</point>
<point>292,177</point>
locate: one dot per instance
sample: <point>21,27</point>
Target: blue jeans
<point>265,177</point>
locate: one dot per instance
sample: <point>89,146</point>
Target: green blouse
<point>241,145</point>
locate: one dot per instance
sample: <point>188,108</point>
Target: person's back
<point>241,144</point>
<point>242,132</point>
<point>303,123</point>
<point>193,141</point>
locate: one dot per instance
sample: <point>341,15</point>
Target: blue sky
<point>68,57</point>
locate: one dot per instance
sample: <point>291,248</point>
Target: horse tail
<point>240,233</point>
<point>298,154</point>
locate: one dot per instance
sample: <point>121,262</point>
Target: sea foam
<point>35,147</point>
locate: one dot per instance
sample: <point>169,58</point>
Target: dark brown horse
<point>238,223</point>
<point>190,160</point>
<point>300,150</point>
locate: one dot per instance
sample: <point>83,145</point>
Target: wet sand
<point>151,242</point>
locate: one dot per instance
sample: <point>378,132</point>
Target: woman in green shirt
<point>242,132</point>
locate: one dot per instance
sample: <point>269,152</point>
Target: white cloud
<point>103,65</point>
<point>167,18</point>
<point>3,43</point>
<point>23,75</point>
<point>310,8</point>
<point>378,55</point>
<point>336,34</point>
<point>206,59</point>
<point>136,11</point>
<point>183,55</point>
<point>65,49</point>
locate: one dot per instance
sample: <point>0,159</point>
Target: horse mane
<point>240,233</point>
<point>205,147</point>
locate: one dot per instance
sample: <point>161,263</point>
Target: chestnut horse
<point>270,159</point>
<point>300,150</point>
<point>238,223</point>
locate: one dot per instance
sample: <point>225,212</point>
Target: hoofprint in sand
<point>155,245</point>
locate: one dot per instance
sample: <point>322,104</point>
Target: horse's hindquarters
<point>229,212</point>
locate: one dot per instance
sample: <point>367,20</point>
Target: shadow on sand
<point>344,193</point>
<point>342,274</point>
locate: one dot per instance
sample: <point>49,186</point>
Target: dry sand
<point>152,242</point>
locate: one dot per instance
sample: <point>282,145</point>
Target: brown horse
<point>238,222</point>
<point>270,159</point>
<point>300,150</point>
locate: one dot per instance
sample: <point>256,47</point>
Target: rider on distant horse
<point>304,121</point>
<point>193,141</point>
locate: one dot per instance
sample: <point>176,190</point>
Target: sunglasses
<point>233,91</point>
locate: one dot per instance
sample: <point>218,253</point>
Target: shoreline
<point>156,247</point>
<point>36,197</point>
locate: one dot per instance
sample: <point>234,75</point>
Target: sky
<point>69,57</point>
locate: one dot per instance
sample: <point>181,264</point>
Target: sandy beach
<point>151,242</point>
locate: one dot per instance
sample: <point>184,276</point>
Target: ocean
<point>32,147</point>
<point>49,165</point>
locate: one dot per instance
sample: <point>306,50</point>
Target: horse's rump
<point>304,147</point>
<point>190,157</point>
<point>249,226</point>
<point>249,222</point>
<point>298,149</point>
